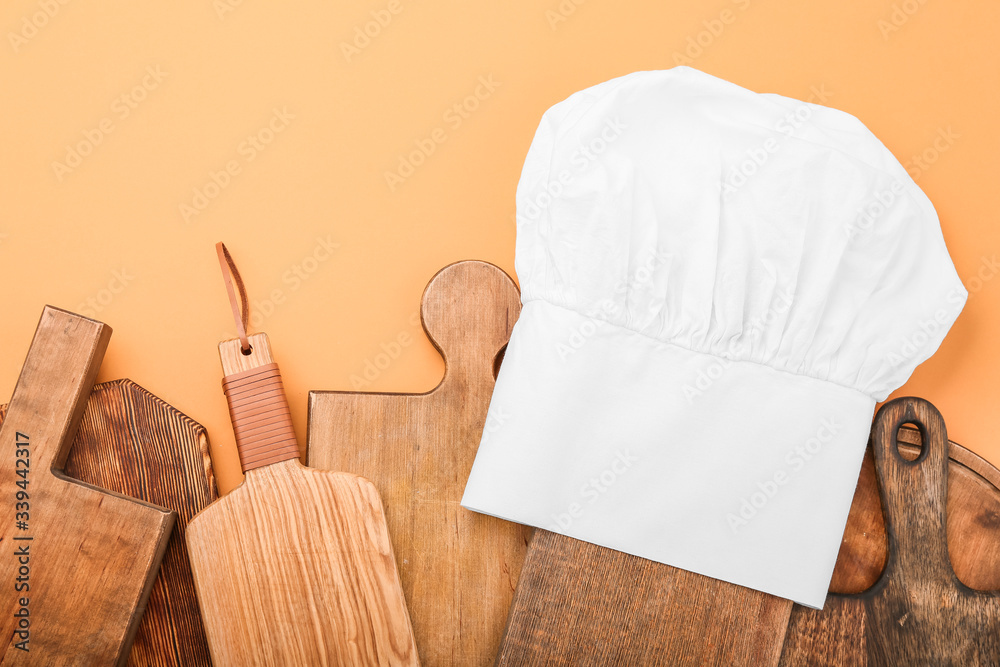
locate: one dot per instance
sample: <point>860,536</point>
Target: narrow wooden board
<point>131,442</point>
<point>295,566</point>
<point>458,568</point>
<point>93,554</point>
<point>582,604</point>
<point>917,611</point>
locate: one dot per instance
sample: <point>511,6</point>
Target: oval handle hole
<point>905,445</point>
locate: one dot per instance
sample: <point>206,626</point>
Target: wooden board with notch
<point>136,444</point>
<point>90,556</point>
<point>458,568</point>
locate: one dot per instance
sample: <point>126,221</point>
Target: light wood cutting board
<point>92,555</point>
<point>294,566</point>
<point>458,568</point>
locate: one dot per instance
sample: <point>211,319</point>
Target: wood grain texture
<point>918,612</point>
<point>458,568</point>
<point>582,604</point>
<point>131,442</point>
<point>295,566</point>
<point>973,506</point>
<point>93,554</point>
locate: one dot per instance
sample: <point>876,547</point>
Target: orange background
<point>108,238</point>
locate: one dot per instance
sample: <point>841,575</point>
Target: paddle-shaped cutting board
<point>458,568</point>
<point>131,442</point>
<point>77,560</point>
<point>973,522</point>
<point>918,612</point>
<point>294,566</point>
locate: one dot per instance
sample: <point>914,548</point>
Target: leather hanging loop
<point>241,311</point>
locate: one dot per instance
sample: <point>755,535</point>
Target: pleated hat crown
<point>744,226</point>
<point>717,287</point>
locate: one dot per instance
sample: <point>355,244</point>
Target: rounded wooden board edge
<point>858,567</point>
<point>505,277</point>
<point>434,285</point>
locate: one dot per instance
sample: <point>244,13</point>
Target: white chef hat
<point>718,286</point>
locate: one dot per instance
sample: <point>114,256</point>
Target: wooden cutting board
<point>294,566</point>
<point>458,568</point>
<point>83,559</point>
<point>581,604</point>
<point>131,442</point>
<point>918,605</point>
<point>973,505</point>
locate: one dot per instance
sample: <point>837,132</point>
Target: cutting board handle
<point>461,310</point>
<point>258,407</point>
<point>914,493</point>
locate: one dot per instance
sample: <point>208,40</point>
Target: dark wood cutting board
<point>458,568</point>
<point>973,522</point>
<point>134,443</point>
<point>581,604</point>
<point>928,563</point>
<point>78,563</point>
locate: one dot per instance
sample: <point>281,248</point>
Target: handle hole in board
<point>247,352</point>
<point>908,450</point>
